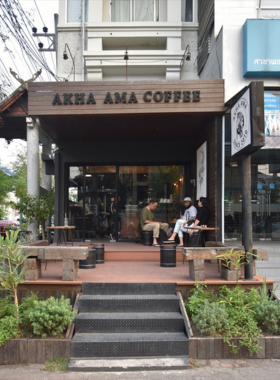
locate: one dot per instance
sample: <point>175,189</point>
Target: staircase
<point>129,327</point>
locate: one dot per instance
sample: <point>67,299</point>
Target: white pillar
<point>33,185</point>
<point>46,179</point>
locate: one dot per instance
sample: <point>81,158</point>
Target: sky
<point>47,10</point>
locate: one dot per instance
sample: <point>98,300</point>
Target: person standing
<point>148,221</point>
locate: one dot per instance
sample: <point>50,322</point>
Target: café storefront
<point>119,144</point>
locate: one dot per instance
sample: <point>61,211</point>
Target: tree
<point>37,210</point>
<point>4,189</point>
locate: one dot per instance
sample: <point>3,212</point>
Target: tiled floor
<point>136,271</point>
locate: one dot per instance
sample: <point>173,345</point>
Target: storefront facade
<point>120,144</point>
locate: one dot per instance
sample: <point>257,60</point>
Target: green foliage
<point>7,308</point>
<point>231,314</point>
<point>56,364</point>
<point>211,318</point>
<point>27,305</point>
<point>5,183</point>
<point>11,260</point>
<point>8,329</point>
<point>51,317</point>
<point>35,209</point>
<point>200,293</point>
<point>268,315</point>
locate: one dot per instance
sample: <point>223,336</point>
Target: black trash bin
<point>100,259</point>
<point>89,263</point>
<point>168,255</point>
<point>147,237</point>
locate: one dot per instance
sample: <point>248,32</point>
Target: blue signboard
<point>261,53</point>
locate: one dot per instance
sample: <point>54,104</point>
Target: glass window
<point>134,10</point>
<point>74,11</point>
<point>187,10</point>
<point>106,201</point>
<point>265,196</point>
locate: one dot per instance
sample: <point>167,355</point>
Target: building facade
<point>240,45</point>
<point>142,112</point>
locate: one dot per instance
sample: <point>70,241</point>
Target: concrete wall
<point>73,37</point>
<point>189,69</point>
<point>213,68</point>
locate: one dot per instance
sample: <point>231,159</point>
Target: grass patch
<point>56,364</point>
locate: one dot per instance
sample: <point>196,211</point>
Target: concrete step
<point>90,288</point>
<point>129,345</point>
<point>131,364</point>
<point>128,322</point>
<point>128,303</point>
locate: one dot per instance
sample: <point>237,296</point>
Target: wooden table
<point>63,229</point>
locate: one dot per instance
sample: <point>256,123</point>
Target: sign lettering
<point>121,98</point>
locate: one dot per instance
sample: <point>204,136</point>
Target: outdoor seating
<point>42,251</point>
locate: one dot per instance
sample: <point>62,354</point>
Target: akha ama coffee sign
<point>247,121</point>
<point>125,98</point>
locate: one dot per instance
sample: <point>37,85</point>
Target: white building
<point>154,32</point>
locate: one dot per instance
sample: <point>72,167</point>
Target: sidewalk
<point>202,369</point>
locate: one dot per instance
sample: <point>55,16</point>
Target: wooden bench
<point>42,251</point>
<point>197,255</point>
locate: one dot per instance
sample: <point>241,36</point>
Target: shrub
<point>27,305</point>
<point>51,317</point>
<point>268,315</point>
<point>8,329</point>
<point>7,308</point>
<point>211,318</point>
<point>200,293</point>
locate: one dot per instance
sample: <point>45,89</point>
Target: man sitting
<point>148,221</point>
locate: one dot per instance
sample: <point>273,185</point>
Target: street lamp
<point>65,57</point>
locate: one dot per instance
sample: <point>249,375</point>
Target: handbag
<point>190,224</point>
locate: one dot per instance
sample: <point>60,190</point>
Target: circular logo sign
<point>240,129</point>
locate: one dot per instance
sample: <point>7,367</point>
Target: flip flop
<point>156,245</point>
<point>180,246</point>
<point>169,242</point>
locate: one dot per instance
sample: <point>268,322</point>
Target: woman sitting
<point>189,214</point>
<point>203,214</point>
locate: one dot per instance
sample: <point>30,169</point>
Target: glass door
<point>92,202</point>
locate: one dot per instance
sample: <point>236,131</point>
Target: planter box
<point>216,348</point>
<point>37,350</point>
<point>23,351</point>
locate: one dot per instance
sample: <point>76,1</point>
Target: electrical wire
<point>18,25</point>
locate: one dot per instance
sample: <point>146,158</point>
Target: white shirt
<point>190,213</point>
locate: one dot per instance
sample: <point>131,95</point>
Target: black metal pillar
<point>247,237</point>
